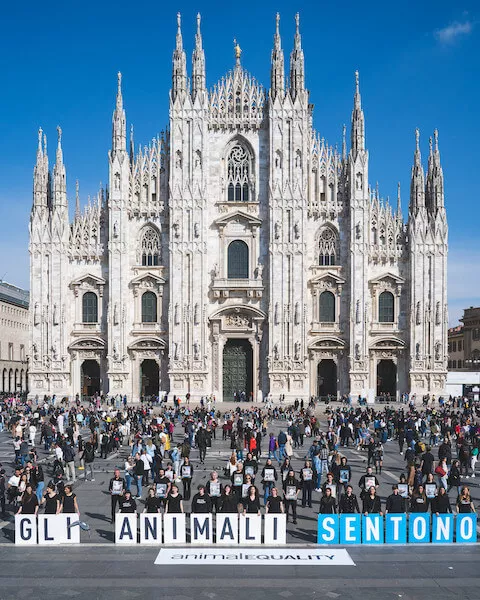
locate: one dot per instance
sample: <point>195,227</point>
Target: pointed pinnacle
<point>59,134</point>
<point>344,142</point>
<point>430,143</point>
<point>40,132</point>
<point>417,139</point>
<point>297,32</point>
<point>435,136</point>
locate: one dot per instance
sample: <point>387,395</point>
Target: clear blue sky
<point>418,63</point>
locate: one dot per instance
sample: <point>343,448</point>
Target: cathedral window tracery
<point>239,172</point>
<point>386,310</point>
<point>150,247</point>
<point>327,247</point>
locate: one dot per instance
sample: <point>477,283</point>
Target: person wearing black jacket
<point>116,487</point>
<point>328,504</point>
<point>214,490</point>
<point>201,502</point>
<point>307,477</point>
<point>186,473</point>
<point>228,500</point>
<point>441,503</point>
<point>128,504</point>
<point>290,491</point>
<point>371,503</point>
<point>348,502</point>
<point>395,502</point>
<point>268,483</point>
<point>138,471</point>
<point>364,480</point>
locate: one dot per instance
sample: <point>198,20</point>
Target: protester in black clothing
<point>127,503</point>
<point>348,502</point>
<point>251,504</point>
<point>201,502</point>
<point>250,466</point>
<point>186,473</point>
<point>441,504</point>
<point>366,481</point>
<point>174,501</point>
<point>163,486</point>
<point>116,487</point>
<point>427,462</point>
<point>237,479</point>
<point>201,441</point>
<point>290,491</point>
<point>152,503</point>
<point>395,502</point>
<point>307,476</point>
<point>342,473</point>
<point>464,502</point>
<point>228,500</point>
<point>419,501</point>
<point>328,504</point>
<point>274,503</point>
<point>69,501</point>
<point>214,490</point>
<point>51,501</point>
<point>29,504</point>
<point>371,503</point>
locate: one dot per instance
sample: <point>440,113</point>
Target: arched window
<point>386,311</point>
<point>149,307</point>
<point>238,174</point>
<point>90,307</point>
<point>238,260</point>
<point>327,247</point>
<point>327,307</point>
<point>150,247</point>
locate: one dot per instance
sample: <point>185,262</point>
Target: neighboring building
<point>239,252</point>
<point>14,338</point>
<point>464,342</point>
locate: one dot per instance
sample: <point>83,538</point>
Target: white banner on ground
<point>58,529</point>
<point>275,529</point>
<point>25,530</point>
<point>253,556</point>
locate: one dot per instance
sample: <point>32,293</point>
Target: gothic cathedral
<point>238,254</point>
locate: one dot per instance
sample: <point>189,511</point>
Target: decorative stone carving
<point>236,320</point>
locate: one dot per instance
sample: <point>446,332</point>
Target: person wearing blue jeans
<point>269,477</point>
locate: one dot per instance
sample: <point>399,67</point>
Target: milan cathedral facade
<point>238,254</point>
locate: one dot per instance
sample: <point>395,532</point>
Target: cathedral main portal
<point>237,369</point>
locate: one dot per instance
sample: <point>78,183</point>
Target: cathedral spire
<point>179,76</point>
<point>399,203</point>
<point>40,175</point>
<point>344,143</point>
<point>59,176</point>
<point>358,120</point>
<point>198,62</point>
<point>434,187</point>
<point>132,146</point>
<point>119,133</point>
<point>297,63</point>
<point>277,77</point>
<point>77,200</point>
<point>417,184</point>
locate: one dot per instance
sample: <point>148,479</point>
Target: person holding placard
<point>247,483</point>
<point>250,466</point>
<point>152,502</point>
<point>269,477</point>
<point>116,487</point>
<point>367,481</point>
<point>214,490</point>
<point>330,483</point>
<point>306,479</point>
<point>162,487</point>
<point>290,494</point>
<point>174,501</point>
<point>237,479</point>
<point>138,471</point>
<point>342,473</point>
<point>186,475</point>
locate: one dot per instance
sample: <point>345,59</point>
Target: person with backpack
<point>88,457</point>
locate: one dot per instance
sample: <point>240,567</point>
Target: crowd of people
<point>281,457</point>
